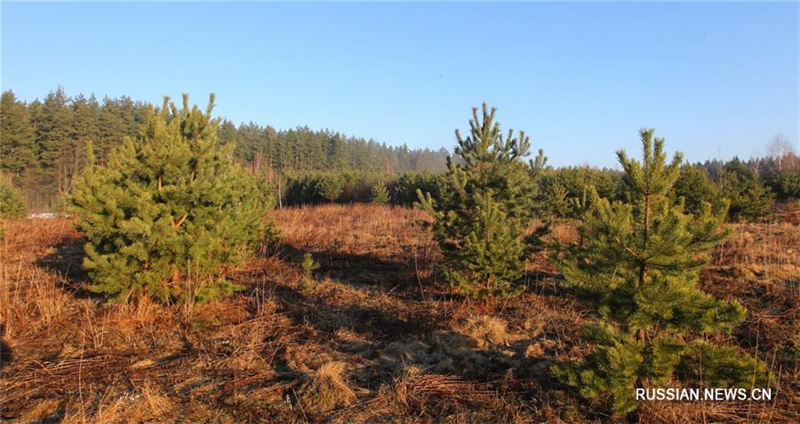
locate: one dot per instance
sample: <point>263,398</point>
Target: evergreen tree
<point>111,129</point>
<point>640,266</point>
<point>52,137</point>
<point>330,186</point>
<point>17,153</point>
<point>309,266</point>
<point>169,212</point>
<point>11,204</point>
<point>749,198</point>
<point>228,134</point>
<point>786,183</point>
<point>695,188</point>
<point>484,208</point>
<point>380,195</point>
<point>83,129</point>
<point>558,204</point>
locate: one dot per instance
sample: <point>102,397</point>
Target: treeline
<point>356,186</point>
<point>43,144</point>
<point>43,147</point>
<point>750,188</point>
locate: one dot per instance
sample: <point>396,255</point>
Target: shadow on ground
<point>66,260</point>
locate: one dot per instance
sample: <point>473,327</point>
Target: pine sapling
<point>486,203</point>
<point>638,264</point>
<point>379,193</point>
<point>170,213</point>
<point>309,266</point>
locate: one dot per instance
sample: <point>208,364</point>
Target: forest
<point>45,141</point>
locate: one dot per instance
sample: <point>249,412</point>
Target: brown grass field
<point>376,338</point>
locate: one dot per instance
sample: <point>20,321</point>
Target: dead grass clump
<point>249,345</point>
<point>130,328</point>
<point>419,396</point>
<point>487,331</point>
<point>326,390</point>
<point>418,392</point>
<point>46,409</point>
<point>148,404</point>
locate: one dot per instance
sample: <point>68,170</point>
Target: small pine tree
<point>749,199</point>
<point>640,266</point>
<point>169,213</point>
<point>11,204</point>
<point>309,266</point>
<point>558,204</point>
<point>330,187</point>
<point>379,193</point>
<point>579,205</point>
<point>786,183</point>
<point>486,203</point>
<point>695,187</point>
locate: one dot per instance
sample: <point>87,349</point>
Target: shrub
<point>640,268</point>
<point>11,204</point>
<point>485,206</point>
<point>170,212</point>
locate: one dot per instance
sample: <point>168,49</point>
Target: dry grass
<point>327,389</point>
<point>487,331</point>
<point>379,339</point>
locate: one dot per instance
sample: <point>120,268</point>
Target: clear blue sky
<point>715,79</point>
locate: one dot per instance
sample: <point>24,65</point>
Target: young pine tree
<point>640,264</point>
<point>12,205</point>
<point>696,188</point>
<point>330,186</point>
<point>557,200</point>
<point>309,265</point>
<point>486,203</point>
<point>379,193</point>
<point>169,212</point>
<point>750,200</point>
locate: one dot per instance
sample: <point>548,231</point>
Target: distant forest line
<point>43,146</point>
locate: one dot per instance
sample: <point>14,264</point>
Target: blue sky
<point>714,79</point>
